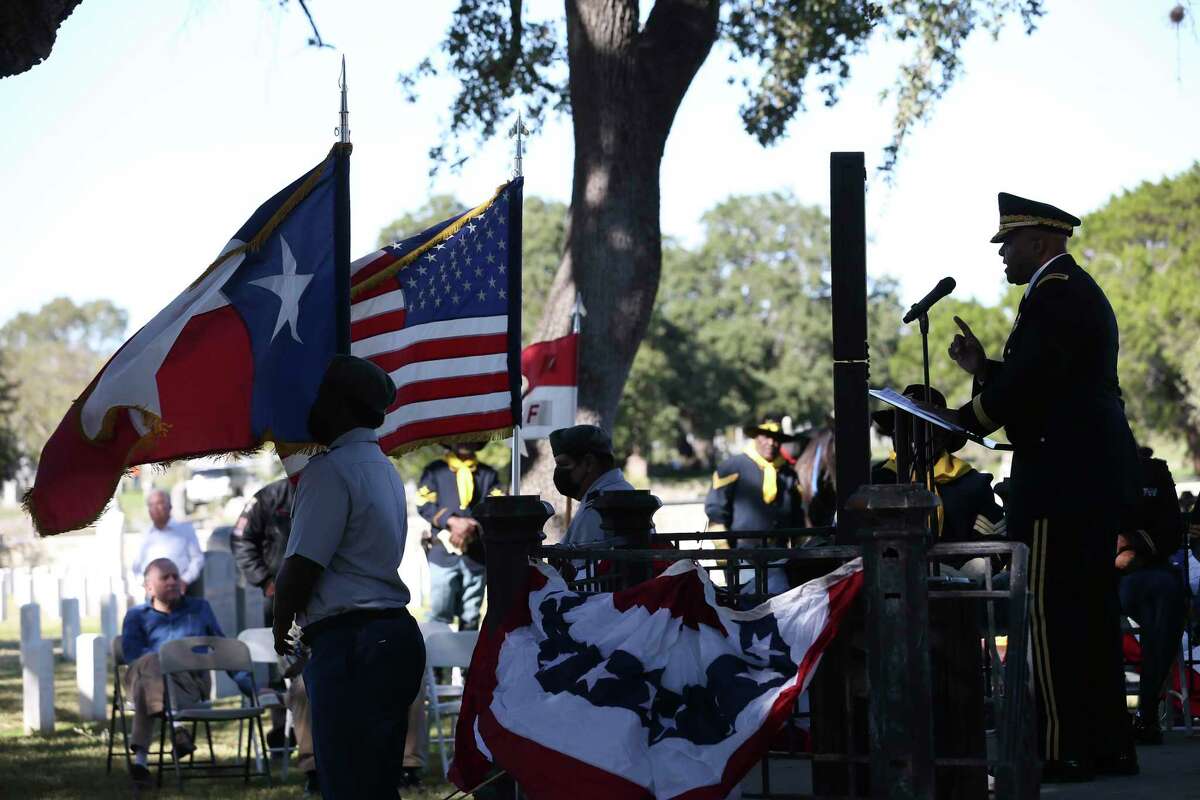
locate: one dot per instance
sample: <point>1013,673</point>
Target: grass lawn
<point>70,763</point>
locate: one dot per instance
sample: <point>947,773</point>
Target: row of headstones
<point>234,608</point>
<point>89,651</point>
<point>40,585</point>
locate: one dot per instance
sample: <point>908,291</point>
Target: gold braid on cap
<point>1011,221</point>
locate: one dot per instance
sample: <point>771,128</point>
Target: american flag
<point>441,312</point>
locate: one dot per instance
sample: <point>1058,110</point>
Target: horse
<point>816,468</point>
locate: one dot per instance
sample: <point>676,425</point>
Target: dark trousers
<point>1154,598</point>
<point>1075,628</point>
<point>361,678</point>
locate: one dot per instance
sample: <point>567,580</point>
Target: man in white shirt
<point>168,538</point>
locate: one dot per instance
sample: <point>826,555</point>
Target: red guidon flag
<point>550,386</point>
<point>651,692</point>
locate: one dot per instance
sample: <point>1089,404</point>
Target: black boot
<point>1146,730</point>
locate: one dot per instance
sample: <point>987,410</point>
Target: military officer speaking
<point>1074,478</point>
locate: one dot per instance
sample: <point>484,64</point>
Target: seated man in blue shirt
<point>166,616</point>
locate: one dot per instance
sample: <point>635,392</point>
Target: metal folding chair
<point>445,650</point>
<point>198,653</point>
<point>118,707</point>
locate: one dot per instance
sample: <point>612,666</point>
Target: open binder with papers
<point>936,416</point>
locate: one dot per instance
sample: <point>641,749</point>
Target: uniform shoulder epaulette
<point>1053,276</point>
<point>720,481</point>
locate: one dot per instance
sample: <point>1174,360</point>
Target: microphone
<point>945,286</point>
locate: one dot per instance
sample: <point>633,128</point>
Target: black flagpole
<point>341,223</point>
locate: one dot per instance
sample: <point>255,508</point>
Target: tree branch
<point>316,40</point>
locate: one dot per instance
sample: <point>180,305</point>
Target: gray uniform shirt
<point>585,525</point>
<point>350,517</point>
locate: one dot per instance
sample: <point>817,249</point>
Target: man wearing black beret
<point>341,584</point>
<point>583,468</point>
<point>1074,479</point>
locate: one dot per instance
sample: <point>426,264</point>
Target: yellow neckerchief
<point>947,470</point>
<point>770,470</point>
<point>463,469</point>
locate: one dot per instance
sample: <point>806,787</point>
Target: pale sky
<point>132,155</point>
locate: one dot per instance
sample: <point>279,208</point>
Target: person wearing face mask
<point>340,582</point>
<point>1074,481</point>
<point>583,468</point>
<point>756,490</point>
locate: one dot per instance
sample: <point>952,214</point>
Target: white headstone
<point>31,627</point>
<point>91,676</point>
<point>37,683</point>
<point>6,588</point>
<point>70,627</point>
<point>253,614</point>
<point>110,624</point>
<point>220,590</point>
<point>45,592</point>
<point>92,592</point>
<point>22,586</point>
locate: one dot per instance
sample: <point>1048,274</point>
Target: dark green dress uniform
<point>1073,478</point>
<point>741,500</point>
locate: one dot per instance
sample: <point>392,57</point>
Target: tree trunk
<point>626,86</point>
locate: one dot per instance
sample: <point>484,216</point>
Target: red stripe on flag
<point>373,326</point>
<point>383,287</point>
<point>376,266</point>
<point>445,426</point>
<point>433,349</point>
<point>444,388</point>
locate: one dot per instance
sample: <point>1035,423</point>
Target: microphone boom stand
<point>925,461</point>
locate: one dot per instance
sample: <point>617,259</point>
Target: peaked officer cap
<point>1018,212</point>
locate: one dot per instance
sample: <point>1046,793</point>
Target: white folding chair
<point>261,642</point>
<point>445,650</point>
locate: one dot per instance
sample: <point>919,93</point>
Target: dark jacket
<point>970,512</point>
<point>736,497</point>
<point>438,500</point>
<point>1057,396</point>
<point>1157,530</point>
<point>261,534</point>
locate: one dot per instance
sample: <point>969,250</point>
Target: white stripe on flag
<point>355,266</point>
<point>374,306</point>
<point>450,368</point>
<point>547,408</point>
<point>436,409</point>
<point>430,331</point>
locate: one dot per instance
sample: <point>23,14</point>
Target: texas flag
<point>232,362</point>
<point>550,373</point>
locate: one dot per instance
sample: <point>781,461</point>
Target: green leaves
<point>742,325</point>
<point>789,50</point>
<point>49,357</point>
<point>1144,249</point>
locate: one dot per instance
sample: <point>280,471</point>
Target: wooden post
<point>848,269</point>
<point>895,537</point>
<point>512,527</point>
<point>630,515</point>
